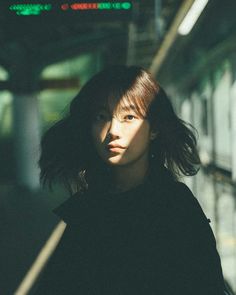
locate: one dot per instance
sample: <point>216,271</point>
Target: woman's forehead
<point>119,104</point>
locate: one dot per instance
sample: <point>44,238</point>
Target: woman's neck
<point>129,176</point>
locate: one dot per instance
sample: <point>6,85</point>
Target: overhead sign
<point>81,8</point>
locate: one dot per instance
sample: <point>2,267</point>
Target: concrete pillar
<point>26,139</point>
<point>233,129</point>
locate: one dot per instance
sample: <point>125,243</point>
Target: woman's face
<point>120,136</point>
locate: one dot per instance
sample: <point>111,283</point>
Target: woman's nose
<point>115,128</point>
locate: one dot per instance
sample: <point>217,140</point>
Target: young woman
<point>132,227</point>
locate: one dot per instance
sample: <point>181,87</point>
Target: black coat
<point>153,239</point>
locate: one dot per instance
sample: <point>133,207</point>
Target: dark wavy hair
<point>67,152</point>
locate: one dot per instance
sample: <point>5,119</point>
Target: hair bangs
<point>137,100</point>
<point>131,102</point>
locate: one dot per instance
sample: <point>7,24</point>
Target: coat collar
<point>80,208</point>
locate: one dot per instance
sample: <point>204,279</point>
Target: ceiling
<point>34,41</point>
<point>211,40</point>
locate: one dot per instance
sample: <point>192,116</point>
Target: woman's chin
<point>115,160</point>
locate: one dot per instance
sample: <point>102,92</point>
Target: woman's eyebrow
<point>129,108</point>
<point>121,108</point>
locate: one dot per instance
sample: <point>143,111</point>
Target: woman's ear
<point>153,135</point>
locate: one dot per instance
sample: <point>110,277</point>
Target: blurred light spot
<point>192,16</point>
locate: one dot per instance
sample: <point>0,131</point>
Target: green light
<point>117,5</point>
<point>126,5</point>
<point>30,9</point>
<point>111,5</point>
<point>104,5</point>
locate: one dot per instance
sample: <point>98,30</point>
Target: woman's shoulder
<point>175,194</point>
<point>185,204</point>
<point>181,195</point>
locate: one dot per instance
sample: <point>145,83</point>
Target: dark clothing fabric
<point>153,239</point>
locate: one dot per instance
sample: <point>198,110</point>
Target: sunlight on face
<point>120,135</point>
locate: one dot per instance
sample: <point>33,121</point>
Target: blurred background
<point>49,50</point>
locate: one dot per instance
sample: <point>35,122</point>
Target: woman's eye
<point>129,118</point>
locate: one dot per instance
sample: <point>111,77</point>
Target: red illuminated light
<point>65,6</point>
<point>84,6</point>
<point>97,6</point>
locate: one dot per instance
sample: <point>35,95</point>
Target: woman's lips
<point>115,148</point>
